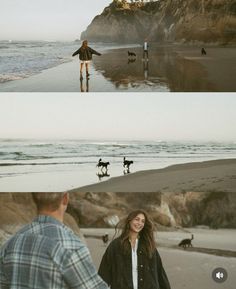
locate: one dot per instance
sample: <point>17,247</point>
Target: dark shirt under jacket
<point>85,54</point>
<point>116,268</point>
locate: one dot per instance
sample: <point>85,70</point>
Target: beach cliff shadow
<point>166,70</point>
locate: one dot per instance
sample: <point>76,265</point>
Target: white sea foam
<point>25,58</point>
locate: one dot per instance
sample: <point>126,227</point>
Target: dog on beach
<point>126,163</point>
<point>131,54</point>
<point>186,243</point>
<point>203,51</point>
<point>103,165</point>
<point>105,239</point>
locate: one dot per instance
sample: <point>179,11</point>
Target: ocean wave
<point>4,153</point>
<point>26,58</point>
<point>38,67</point>
<point>21,46</point>
<point>23,156</point>
<point>41,164</point>
<point>42,145</point>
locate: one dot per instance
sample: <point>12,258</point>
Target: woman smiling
<point>132,261</point>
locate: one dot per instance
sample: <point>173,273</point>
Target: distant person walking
<point>85,56</point>
<point>145,50</point>
<point>132,260</point>
<point>46,254</point>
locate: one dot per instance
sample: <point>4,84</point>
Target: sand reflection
<point>166,70</point>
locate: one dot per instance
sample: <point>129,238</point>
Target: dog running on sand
<point>102,165</point>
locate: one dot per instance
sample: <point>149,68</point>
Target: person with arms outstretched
<point>85,55</point>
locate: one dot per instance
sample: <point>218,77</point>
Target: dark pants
<point>145,53</point>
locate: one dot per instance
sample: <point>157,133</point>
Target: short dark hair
<point>48,201</point>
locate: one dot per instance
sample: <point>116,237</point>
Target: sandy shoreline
<point>217,175</point>
<point>185,268</point>
<point>172,68</point>
<point>219,64</point>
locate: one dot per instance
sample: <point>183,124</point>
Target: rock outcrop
<point>100,210</point>
<point>18,209</point>
<point>187,209</point>
<point>212,21</point>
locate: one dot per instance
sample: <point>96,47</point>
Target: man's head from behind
<point>53,204</point>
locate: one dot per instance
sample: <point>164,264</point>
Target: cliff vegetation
<point>208,21</point>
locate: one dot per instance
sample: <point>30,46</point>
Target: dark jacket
<point>116,268</point>
<point>85,53</point>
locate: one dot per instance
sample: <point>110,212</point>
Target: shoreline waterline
<point>172,68</point>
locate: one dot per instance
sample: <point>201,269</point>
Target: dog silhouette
<point>131,54</point>
<point>126,163</point>
<point>203,51</point>
<point>102,165</point>
<point>186,243</point>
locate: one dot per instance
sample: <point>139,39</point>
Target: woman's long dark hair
<point>146,234</point>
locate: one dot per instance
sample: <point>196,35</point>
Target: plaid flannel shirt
<point>47,255</point>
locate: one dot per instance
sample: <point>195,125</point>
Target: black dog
<point>186,243</point>
<point>102,164</point>
<point>131,54</point>
<point>105,239</point>
<point>127,163</point>
<point>203,51</point>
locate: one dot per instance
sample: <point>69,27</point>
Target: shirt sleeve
<point>79,271</point>
<point>76,52</point>
<point>4,284</point>
<point>94,52</point>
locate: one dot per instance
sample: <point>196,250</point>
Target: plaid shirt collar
<point>47,219</point>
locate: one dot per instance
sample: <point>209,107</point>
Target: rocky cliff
<point>212,21</point>
<point>168,210</point>
<point>186,209</point>
<point>18,209</point>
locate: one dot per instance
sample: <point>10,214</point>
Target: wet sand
<point>215,176</point>
<point>185,268</point>
<point>219,64</point>
<point>170,68</point>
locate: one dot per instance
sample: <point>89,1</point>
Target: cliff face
<point>168,210</point>
<point>18,209</point>
<point>187,209</point>
<point>165,20</point>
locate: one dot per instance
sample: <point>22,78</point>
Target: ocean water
<point>32,165</point>
<point>21,59</point>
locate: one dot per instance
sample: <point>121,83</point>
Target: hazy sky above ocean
<point>47,19</point>
<point>117,116</point>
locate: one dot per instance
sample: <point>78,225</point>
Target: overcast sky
<point>162,116</point>
<point>47,19</point>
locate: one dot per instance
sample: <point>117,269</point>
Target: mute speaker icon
<point>219,275</point>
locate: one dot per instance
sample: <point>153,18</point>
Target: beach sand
<point>185,268</point>
<point>219,64</point>
<point>217,175</point>
<point>170,68</point>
